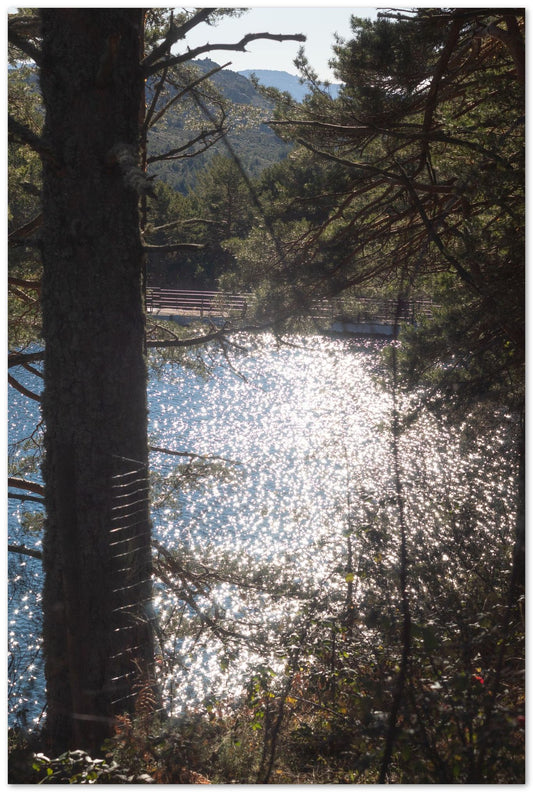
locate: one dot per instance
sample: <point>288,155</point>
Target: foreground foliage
<point>318,700</point>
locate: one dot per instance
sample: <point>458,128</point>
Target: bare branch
<point>25,230</point>
<point>206,458</point>
<point>153,104</point>
<point>20,358</point>
<point>239,46</point>
<point>202,137</point>
<point>21,389</point>
<point>22,550</point>
<point>152,121</point>
<point>26,284</point>
<point>175,33</point>
<point>31,486</point>
<point>174,247</point>
<point>189,221</point>
<point>23,497</point>
<point>21,295</point>
<point>222,333</point>
<point>183,343</point>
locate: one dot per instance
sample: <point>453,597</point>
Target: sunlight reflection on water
<point>306,428</point>
<point>291,424</point>
<point>301,421</point>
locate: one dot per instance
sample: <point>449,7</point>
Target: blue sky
<point>318,23</point>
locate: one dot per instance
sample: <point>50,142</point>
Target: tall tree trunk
<point>97,560</point>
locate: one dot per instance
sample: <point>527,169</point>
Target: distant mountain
<point>284,81</point>
<point>256,145</point>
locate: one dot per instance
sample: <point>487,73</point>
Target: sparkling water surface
<point>299,434</point>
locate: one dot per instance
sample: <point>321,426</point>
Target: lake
<point>290,469</point>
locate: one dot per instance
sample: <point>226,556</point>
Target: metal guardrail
<point>221,304</point>
<point>197,303</point>
<point>374,310</point>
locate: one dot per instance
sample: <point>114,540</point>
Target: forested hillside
<point>255,143</point>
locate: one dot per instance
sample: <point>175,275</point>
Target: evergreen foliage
<point>422,188</point>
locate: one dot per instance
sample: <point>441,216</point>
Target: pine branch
<point>20,30</point>
<point>23,134</point>
<point>386,174</point>
<point>219,334</point>
<point>183,343</point>
<point>438,75</point>
<point>512,40</point>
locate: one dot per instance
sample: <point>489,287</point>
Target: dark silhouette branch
<point>20,358</point>
<point>21,295</point>
<point>190,221</point>
<point>220,334</point>
<point>23,134</point>
<point>189,455</point>
<point>152,119</point>
<point>203,138</point>
<point>175,33</point>
<point>20,31</point>
<point>20,233</point>
<point>23,497</point>
<point>512,39</point>
<point>33,370</point>
<point>22,550</point>
<point>239,46</point>
<point>31,486</point>
<point>183,343</point>
<point>26,284</point>
<point>21,389</point>
<point>153,104</point>
<point>172,248</point>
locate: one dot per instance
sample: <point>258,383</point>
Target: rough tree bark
<point>97,561</point>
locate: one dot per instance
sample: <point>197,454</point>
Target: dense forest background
<point>406,183</point>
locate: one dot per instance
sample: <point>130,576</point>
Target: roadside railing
<point>197,303</point>
<point>374,310</point>
<point>358,310</point>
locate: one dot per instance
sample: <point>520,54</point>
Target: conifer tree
<point>97,630</point>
